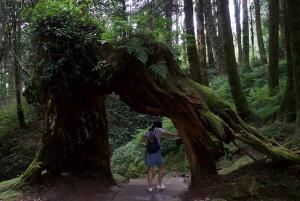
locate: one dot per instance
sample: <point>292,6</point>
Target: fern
<point>135,47</point>
<point>159,70</point>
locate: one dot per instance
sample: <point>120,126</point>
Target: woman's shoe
<point>161,187</point>
<point>150,189</point>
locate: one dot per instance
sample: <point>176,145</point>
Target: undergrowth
<point>255,85</point>
<point>128,160</point>
<point>17,146</point>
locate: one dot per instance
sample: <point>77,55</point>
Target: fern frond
<point>135,47</point>
<point>159,70</point>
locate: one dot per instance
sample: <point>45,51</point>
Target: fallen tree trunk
<point>194,109</point>
<point>147,78</point>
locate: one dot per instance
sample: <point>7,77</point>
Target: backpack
<point>152,143</point>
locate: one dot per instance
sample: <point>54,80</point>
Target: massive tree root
<point>76,137</point>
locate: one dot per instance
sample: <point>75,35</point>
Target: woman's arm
<point>170,134</point>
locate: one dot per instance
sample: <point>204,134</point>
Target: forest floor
<point>259,181</point>
<point>72,189</point>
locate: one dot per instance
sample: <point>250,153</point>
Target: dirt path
<point>137,190</point>
<point>134,190</point>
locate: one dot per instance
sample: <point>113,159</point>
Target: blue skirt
<point>153,159</point>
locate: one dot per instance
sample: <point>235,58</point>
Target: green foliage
<point>18,146</point>
<point>123,122</point>
<point>46,9</point>
<point>135,47</point>
<point>141,23</point>
<point>255,86</point>
<point>269,131</point>
<point>159,70</point>
<point>128,160</point>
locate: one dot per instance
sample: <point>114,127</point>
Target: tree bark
<point>237,93</point>
<point>293,26</point>
<point>273,46</point>
<point>17,57</point>
<point>210,56</point>
<point>76,139</point>
<point>213,38</point>
<point>252,30</point>
<point>281,30</point>
<point>260,40</point>
<point>237,11</point>
<point>245,34</point>
<point>168,13</point>
<point>192,54</point>
<point>287,110</point>
<point>201,41</point>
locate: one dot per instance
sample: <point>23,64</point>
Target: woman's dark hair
<point>155,124</point>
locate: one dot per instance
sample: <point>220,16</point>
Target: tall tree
<point>252,29</point>
<point>287,110</point>
<point>17,56</point>
<point>213,37</point>
<point>191,41</point>
<point>237,93</point>
<point>293,14</point>
<point>245,34</point>
<point>168,13</point>
<point>260,40</point>
<point>237,12</point>
<point>273,46</point>
<point>210,56</point>
<point>201,40</point>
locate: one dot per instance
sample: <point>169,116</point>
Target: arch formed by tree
<point>77,70</point>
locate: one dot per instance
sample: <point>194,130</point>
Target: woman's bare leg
<point>160,174</point>
<point>150,175</point>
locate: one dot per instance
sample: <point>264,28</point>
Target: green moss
<point>10,195</point>
<point>243,161</point>
<point>9,189</point>
<point>215,123</point>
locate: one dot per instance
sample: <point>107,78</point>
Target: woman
<point>153,155</point>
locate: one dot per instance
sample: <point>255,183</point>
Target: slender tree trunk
<point>252,30</point>
<point>237,93</point>
<point>287,110</point>
<point>245,34</point>
<point>17,58</point>
<point>210,55</point>
<point>191,42</point>
<point>293,26</point>
<point>281,30</point>
<point>184,49</point>
<point>201,41</point>
<point>177,23</point>
<point>123,9</point>
<point>168,13</point>
<point>237,11</point>
<point>260,40</point>
<point>213,38</point>
<point>273,46</point>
